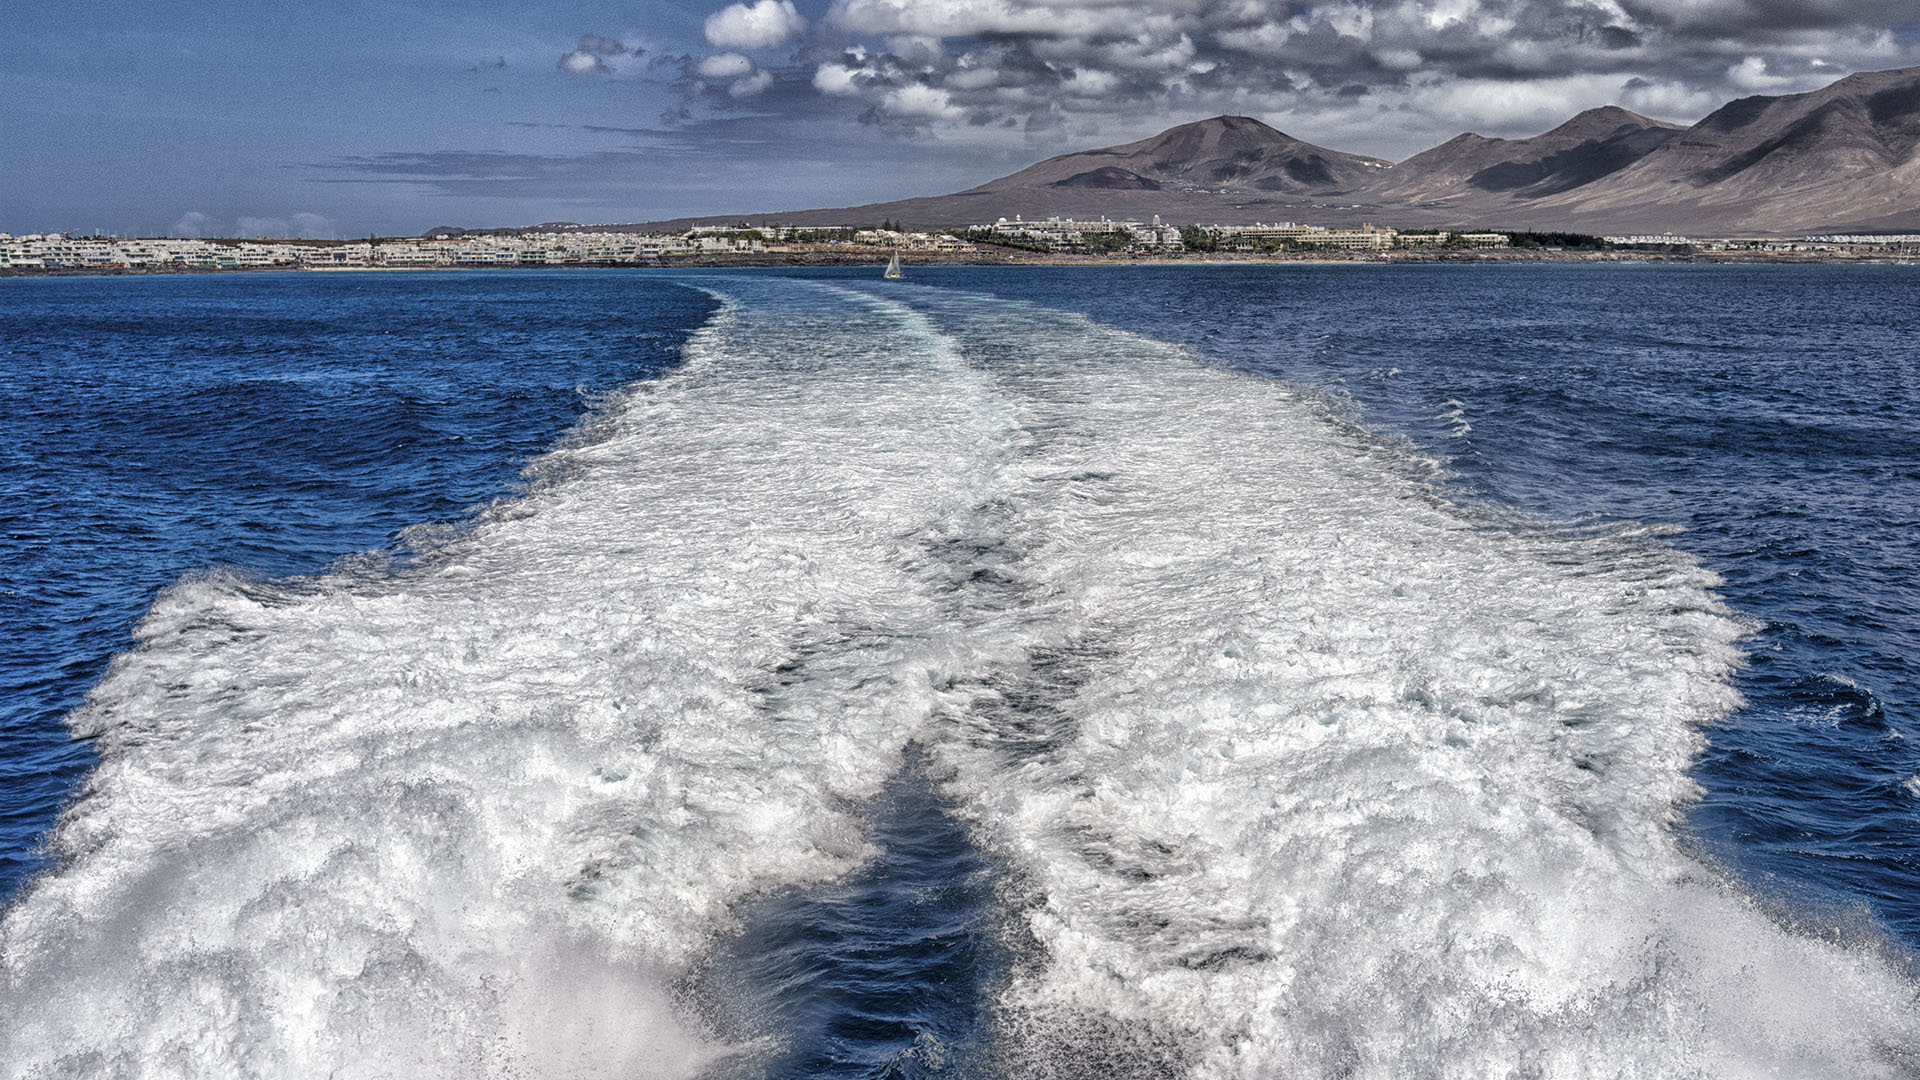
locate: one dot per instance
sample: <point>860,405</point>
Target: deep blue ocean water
<point>157,427</point>
<point>269,425</point>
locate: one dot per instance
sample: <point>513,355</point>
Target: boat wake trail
<point>1289,766</point>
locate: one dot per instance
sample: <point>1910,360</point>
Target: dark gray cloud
<point>1396,71</point>
<point>1617,37</point>
<point>1759,22</point>
<point>657,172</point>
<point>602,129</point>
<point>494,173</point>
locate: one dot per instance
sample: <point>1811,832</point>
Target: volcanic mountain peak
<point>1235,153</point>
<point>1187,145</point>
<point>1604,121</point>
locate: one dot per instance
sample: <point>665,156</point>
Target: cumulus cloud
<point>750,85</point>
<point>919,100</point>
<point>590,57</point>
<point>1382,76</point>
<point>1755,75</point>
<point>1666,97</point>
<point>765,24</point>
<point>726,65</point>
<point>836,79</point>
<point>1532,105</point>
<point>1090,82</point>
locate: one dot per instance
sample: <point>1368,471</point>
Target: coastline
<point>826,258</point>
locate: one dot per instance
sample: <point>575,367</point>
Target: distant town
<point>746,244</point>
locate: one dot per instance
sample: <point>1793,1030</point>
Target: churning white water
<point>1293,767</point>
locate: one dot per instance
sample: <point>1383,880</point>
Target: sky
<point>390,117</point>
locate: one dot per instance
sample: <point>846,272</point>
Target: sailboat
<point>893,268</point>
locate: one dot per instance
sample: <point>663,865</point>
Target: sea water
<point>1351,672</point>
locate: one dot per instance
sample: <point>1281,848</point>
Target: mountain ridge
<point>1845,157</point>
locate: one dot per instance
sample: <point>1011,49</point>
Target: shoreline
<point>1013,258</point>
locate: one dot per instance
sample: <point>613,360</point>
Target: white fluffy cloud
<point>920,100</point>
<point>1531,106</point>
<point>750,86</point>
<point>1666,98</point>
<point>764,24</point>
<point>1090,82</point>
<point>835,79</point>
<point>727,65</point>
<point>1754,75</point>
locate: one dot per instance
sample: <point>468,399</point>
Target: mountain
<point>1223,154</point>
<point>1843,158</point>
<point>1476,171</point>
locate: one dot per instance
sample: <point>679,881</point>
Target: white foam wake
<point>475,817</point>
<point>1338,779</point>
<point>1295,768</point>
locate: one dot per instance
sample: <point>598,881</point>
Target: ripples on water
<point>886,973</point>
<point>156,427</point>
<point>1228,744</point>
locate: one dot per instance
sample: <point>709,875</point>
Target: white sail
<point>893,267</point>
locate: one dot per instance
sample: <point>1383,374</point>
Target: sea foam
<point>1292,766</point>
<point>476,815</point>
<point>1341,779</point>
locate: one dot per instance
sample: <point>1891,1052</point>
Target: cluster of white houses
<point>54,251</point>
<point>1832,243</point>
<point>1069,234</point>
<point>61,252</point>
<point>1363,238</point>
<point>1898,243</point>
